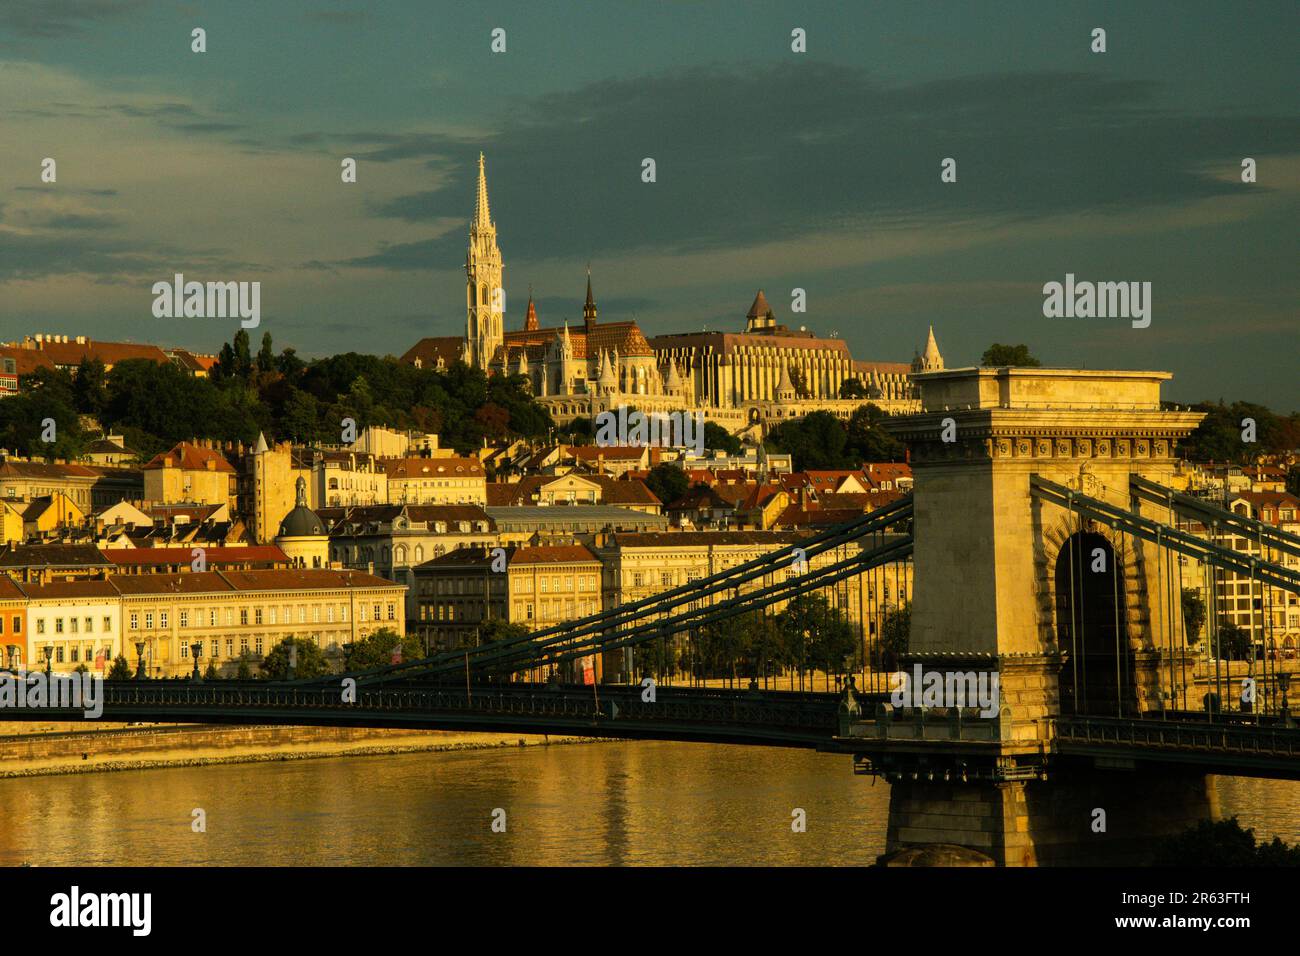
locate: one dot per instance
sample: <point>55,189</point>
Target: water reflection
<point>634,803</point>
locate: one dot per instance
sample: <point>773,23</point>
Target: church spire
<point>530,319</point>
<point>589,309</point>
<point>482,215</point>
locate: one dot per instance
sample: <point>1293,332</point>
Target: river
<point>628,803</point>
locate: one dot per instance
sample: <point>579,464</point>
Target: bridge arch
<point>1090,596</point>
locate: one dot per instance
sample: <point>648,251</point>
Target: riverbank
<point>58,752</point>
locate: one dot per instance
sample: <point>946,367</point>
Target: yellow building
<point>302,534</point>
<point>190,473</point>
<point>50,513</point>
<point>232,613</point>
<point>435,481</point>
<point>537,587</point>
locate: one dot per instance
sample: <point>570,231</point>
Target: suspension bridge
<point>1043,543</point>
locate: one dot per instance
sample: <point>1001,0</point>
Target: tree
<point>121,670</point>
<point>667,482</point>
<point>997,355</point>
<point>895,634</point>
<point>717,438</point>
<point>308,660</point>
<point>1222,843</point>
<point>88,386</point>
<point>817,440</point>
<point>266,355</point>
<point>495,629</point>
<point>868,440</point>
<point>243,354</point>
<point>245,671</point>
<point>1233,641</point>
<point>852,388</point>
<point>211,672</point>
<point>376,649</point>
<point>1193,615</point>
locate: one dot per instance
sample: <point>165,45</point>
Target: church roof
<point>760,308</point>
<point>429,350</point>
<point>588,342</point>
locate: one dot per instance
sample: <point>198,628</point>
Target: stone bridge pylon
<point>1073,617</point>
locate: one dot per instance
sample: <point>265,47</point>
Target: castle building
<point>745,380</point>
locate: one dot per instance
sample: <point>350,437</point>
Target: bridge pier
<point>1081,817</point>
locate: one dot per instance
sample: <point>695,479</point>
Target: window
<point>185,649</point>
<point>638,579</point>
<point>162,618</point>
<point>392,613</point>
<point>135,621</point>
<point>376,614</point>
<point>258,647</point>
<point>257,615</point>
<point>185,618</point>
<point>18,625</point>
<point>243,645</point>
<point>216,648</point>
<point>58,629</point>
<point>315,613</point>
<point>212,618</point>
<point>273,615</point>
<point>75,625</point>
<point>58,653</point>
<point>108,625</point>
<point>302,614</point>
<point>243,616</point>
<point>76,654</point>
<point>90,625</point>
<point>148,620</point>
<point>230,647</point>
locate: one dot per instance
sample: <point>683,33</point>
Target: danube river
<point>639,803</point>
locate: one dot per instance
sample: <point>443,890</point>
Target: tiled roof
<point>257,554</point>
<point>406,468</point>
<point>686,539</point>
<point>9,468</point>
<point>84,588</point>
<point>304,579</point>
<point>429,350</point>
<point>190,458</point>
<point>53,556</point>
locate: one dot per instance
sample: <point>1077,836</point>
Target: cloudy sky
<point>775,169</point>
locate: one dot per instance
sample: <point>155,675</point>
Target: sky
<point>774,169</point>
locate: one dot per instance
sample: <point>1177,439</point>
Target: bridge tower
<point>1073,618</point>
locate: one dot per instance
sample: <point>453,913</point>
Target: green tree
<point>309,661</point>
<point>245,670</point>
<point>998,355</point>
<point>243,354</point>
<point>895,635</point>
<point>1193,615</point>
<point>1234,641</point>
<point>266,355</point>
<point>868,440</point>
<point>667,482</point>
<point>89,386</point>
<point>121,670</point>
<point>853,388</point>
<point>211,672</point>
<point>818,440</point>
<point>376,649</point>
<point>717,438</point>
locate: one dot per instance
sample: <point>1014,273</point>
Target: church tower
<point>484,289</point>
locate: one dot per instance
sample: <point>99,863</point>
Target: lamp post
<point>139,657</point>
<point>49,659</point>
<point>196,649</point>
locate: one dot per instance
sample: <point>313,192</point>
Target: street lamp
<point>196,649</point>
<point>49,658</point>
<point>139,656</point>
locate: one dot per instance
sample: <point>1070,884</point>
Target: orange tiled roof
<point>189,458</point>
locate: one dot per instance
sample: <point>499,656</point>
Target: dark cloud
<point>341,17</point>
<point>43,19</point>
<point>792,151</point>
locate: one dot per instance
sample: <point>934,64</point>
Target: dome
<point>301,522</point>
